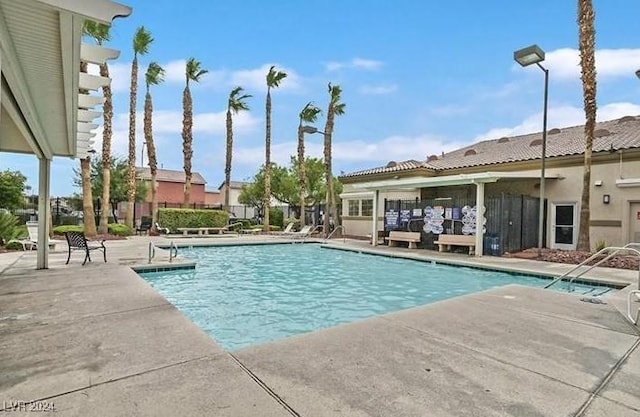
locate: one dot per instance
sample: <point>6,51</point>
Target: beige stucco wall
<point>610,222</point>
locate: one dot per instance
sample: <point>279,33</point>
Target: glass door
<point>564,227</point>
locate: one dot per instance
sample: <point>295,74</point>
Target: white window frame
<point>575,226</point>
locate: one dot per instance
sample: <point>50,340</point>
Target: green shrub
<point>9,228</point>
<point>175,218</point>
<point>276,216</point>
<point>119,229</point>
<point>60,230</point>
<point>600,244</point>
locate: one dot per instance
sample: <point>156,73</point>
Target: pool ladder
<point>173,247</point>
<point>152,251</point>
<point>332,233</point>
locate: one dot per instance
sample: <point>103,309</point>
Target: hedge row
<point>114,229</point>
<point>175,218</point>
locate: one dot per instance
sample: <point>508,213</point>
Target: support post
<point>44,181</point>
<point>374,225</point>
<point>479,218</point>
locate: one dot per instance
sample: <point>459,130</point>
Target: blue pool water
<point>246,295</point>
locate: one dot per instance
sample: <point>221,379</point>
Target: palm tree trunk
<point>131,172</point>
<point>301,173</point>
<point>586,17</point>
<point>328,211</point>
<point>107,111</point>
<point>151,153</point>
<point>227,167</point>
<point>87,198</point>
<point>187,142</point>
<point>266,202</point>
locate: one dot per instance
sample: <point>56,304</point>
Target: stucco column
<point>374,225</point>
<point>479,218</point>
<point>43,213</point>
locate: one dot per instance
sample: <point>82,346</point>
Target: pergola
<point>44,109</point>
<point>412,183</point>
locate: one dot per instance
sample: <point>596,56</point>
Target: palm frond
<point>274,77</point>
<point>142,40</point>
<point>98,31</point>
<point>236,101</point>
<point>194,70</point>
<point>309,113</point>
<point>155,74</point>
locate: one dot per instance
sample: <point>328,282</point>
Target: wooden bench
<point>444,242</point>
<point>411,237</point>
<point>200,230</point>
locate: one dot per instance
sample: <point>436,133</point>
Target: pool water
<point>246,295</point>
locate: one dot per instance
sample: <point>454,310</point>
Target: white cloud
<point>564,63</point>
<point>398,148</point>
<point>449,110</point>
<point>174,71</point>
<point>380,89</point>
<point>355,63</point>
<point>563,116</point>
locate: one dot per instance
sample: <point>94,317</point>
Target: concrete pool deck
<point>98,340</point>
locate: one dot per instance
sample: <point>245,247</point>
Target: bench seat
<point>411,237</point>
<point>444,242</point>
<point>200,230</point>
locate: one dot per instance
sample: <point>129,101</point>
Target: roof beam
<point>96,54</point>
<point>93,82</point>
<point>87,101</point>
<point>87,115</point>
<point>100,11</point>
<point>86,127</point>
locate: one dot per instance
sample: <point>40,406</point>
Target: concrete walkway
<point>99,341</point>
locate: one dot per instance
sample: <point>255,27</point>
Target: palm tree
<point>153,76</point>
<point>336,108</point>
<point>141,42</point>
<point>586,17</point>
<point>308,114</point>
<point>236,103</point>
<point>87,196</point>
<point>274,78</point>
<point>193,72</point>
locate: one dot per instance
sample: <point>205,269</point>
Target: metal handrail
<point>152,251</point>
<point>318,226</point>
<point>229,226</point>
<point>335,230</point>
<point>172,246</point>
<point>629,297</point>
<point>615,249</point>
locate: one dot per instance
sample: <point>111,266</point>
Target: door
<point>634,223</point>
<point>564,226</point>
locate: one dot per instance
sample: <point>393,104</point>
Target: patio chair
<point>304,232</point>
<point>32,241</point>
<point>78,241</point>
<point>161,229</point>
<point>287,230</point>
<point>144,226</point>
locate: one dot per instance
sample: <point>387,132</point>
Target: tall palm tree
<point>153,76</point>
<point>336,108</point>
<point>587,41</point>
<point>141,42</point>
<point>236,103</point>
<point>193,72</point>
<point>274,78</point>
<point>308,114</point>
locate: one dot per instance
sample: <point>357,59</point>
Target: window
<point>354,207</point>
<point>367,207</point>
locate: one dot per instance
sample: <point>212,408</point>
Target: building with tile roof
<point>511,166</point>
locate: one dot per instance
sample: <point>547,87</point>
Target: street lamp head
<point>529,55</point>
<point>638,73</point>
<point>310,129</point>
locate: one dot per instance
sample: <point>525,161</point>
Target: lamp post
<point>312,130</point>
<point>638,73</point>
<point>525,57</point>
<point>144,142</point>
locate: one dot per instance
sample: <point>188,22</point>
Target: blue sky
<point>419,77</point>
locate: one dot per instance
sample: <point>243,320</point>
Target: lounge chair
<point>304,232</point>
<point>161,229</point>
<point>32,241</point>
<point>78,241</point>
<point>287,230</point>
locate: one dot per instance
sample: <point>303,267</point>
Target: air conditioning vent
<point>392,164</point>
<point>554,131</point>
<point>536,142</point>
<point>503,140</point>
<point>470,152</point>
<point>599,133</point>
<point>432,158</point>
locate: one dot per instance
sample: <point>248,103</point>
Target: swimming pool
<point>246,295</point>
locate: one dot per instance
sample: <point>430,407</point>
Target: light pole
<point>325,230</point>
<point>638,73</point>
<point>142,154</point>
<point>525,57</point>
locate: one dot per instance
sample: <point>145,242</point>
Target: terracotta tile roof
<point>616,134</point>
<point>170,175</point>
